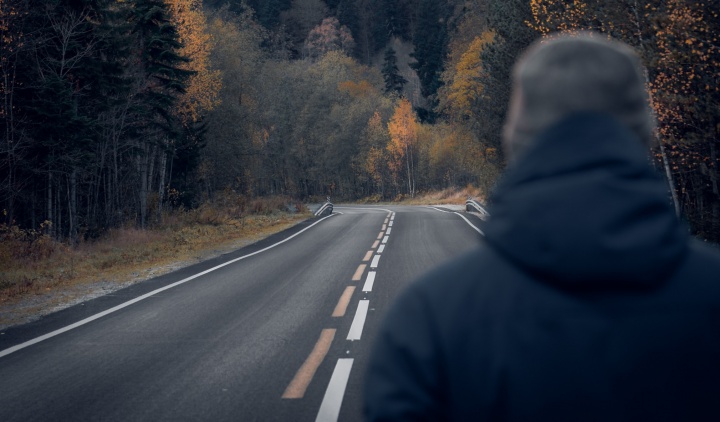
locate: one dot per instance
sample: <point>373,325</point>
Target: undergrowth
<point>31,261</point>
<point>452,195</point>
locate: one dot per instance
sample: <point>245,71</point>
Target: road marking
<point>368,255</point>
<point>381,248</point>
<point>391,223</point>
<point>471,224</point>
<point>359,320</point>
<point>359,272</point>
<point>375,245</point>
<point>461,216</point>
<point>384,227</point>
<point>438,209</point>
<point>330,407</point>
<point>344,301</point>
<point>369,282</point>
<point>388,231</point>
<point>385,239</point>
<point>299,384</point>
<point>380,235</point>
<point>386,220</point>
<point>392,218</point>
<point>375,261</point>
<point>361,208</point>
<point>147,295</point>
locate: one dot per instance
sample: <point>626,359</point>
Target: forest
<point>116,112</point>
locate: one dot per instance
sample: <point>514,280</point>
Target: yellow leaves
<point>204,86</point>
<point>465,84</point>
<point>356,89</point>
<point>403,134</point>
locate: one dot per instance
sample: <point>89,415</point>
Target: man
<point>588,300</point>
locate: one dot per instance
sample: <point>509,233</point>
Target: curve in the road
<point>147,295</point>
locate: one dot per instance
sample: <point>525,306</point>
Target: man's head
<point>574,73</point>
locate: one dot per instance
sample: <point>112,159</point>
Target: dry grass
<point>34,265</point>
<point>455,196</point>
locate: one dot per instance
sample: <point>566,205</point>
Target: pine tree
<point>163,81</point>
<point>394,82</point>
<point>430,41</point>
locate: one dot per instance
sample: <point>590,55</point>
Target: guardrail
<point>325,209</point>
<point>474,206</point>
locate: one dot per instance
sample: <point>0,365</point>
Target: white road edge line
<point>369,281</point>
<point>359,320</point>
<point>385,239</point>
<point>388,230</point>
<point>375,261</point>
<point>438,209</point>
<point>360,208</point>
<point>391,223</point>
<point>145,296</point>
<point>471,224</point>
<point>330,407</point>
<point>381,249</point>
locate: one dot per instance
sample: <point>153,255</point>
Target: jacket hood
<point>583,208</point>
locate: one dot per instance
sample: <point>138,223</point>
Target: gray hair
<point>575,73</point>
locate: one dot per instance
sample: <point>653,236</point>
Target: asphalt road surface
<point>278,331</point>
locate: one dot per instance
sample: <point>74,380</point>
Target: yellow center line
<point>343,302</point>
<point>298,385</point>
<point>359,272</point>
<point>380,235</point>
<point>375,245</point>
<point>368,255</point>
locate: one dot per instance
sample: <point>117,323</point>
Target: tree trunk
<point>49,230</point>
<point>161,188</point>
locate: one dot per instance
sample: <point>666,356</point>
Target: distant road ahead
<point>282,334</point>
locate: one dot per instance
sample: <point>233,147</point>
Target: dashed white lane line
<point>147,295</point>
<point>358,323</point>
<point>330,407</point>
<point>388,231</point>
<point>375,261</point>
<point>391,223</point>
<point>369,281</point>
<point>381,248</point>
<point>385,239</point>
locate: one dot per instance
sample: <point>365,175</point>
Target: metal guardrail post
<point>474,206</point>
<point>325,209</point>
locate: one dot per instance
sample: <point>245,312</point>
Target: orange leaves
<point>403,137</point>
<point>357,89</point>
<point>464,84</point>
<point>402,127</point>
<point>204,86</point>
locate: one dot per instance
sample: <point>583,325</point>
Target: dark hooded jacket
<point>587,302</point>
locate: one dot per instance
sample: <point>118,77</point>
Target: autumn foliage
<point>679,44</point>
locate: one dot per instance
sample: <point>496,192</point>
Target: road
<point>280,330</point>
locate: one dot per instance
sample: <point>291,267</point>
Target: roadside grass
<point>33,264</point>
<point>454,195</point>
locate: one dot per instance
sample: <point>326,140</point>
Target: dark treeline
<point>115,112</point>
